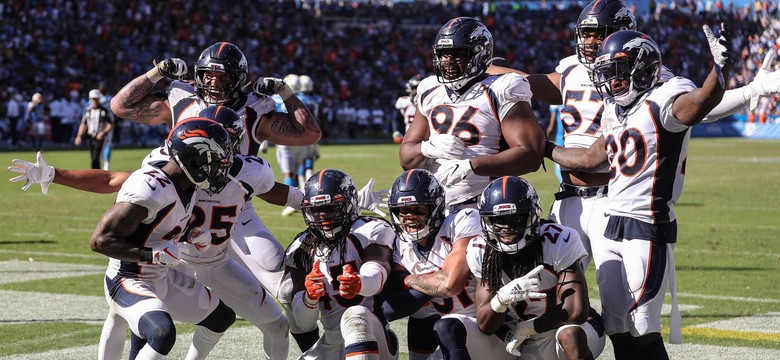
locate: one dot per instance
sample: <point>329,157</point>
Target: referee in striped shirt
<point>96,123</point>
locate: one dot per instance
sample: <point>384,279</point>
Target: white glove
<point>766,82</point>
<point>520,289</point>
<point>200,239</point>
<point>453,172</point>
<point>372,200</point>
<point>38,173</point>
<point>264,146</point>
<point>171,68</point>
<point>269,86</point>
<point>167,254</point>
<point>443,146</point>
<point>720,48</point>
<point>519,333</point>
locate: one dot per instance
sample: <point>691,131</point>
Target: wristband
<point>154,75</point>
<point>285,92</point>
<point>310,303</point>
<point>294,198</point>
<point>497,305</point>
<point>145,255</point>
<point>372,277</point>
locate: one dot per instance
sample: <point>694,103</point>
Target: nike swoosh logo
<point>455,168</point>
<point>153,187</point>
<point>567,238</point>
<point>244,223</point>
<point>606,214</point>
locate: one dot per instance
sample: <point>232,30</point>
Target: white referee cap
<point>95,94</point>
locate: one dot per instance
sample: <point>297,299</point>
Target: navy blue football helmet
<point>627,55</point>
<point>222,57</point>
<point>416,187</point>
<point>412,84</point>
<point>230,120</point>
<point>468,46</point>
<point>201,148</point>
<point>330,205</point>
<point>510,214</point>
<point>603,17</point>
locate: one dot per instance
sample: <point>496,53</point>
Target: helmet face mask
<point>416,205</point>
<point>461,52</point>
<point>201,148</point>
<point>631,57</point>
<point>510,214</point>
<point>330,205</point>
<point>598,20</point>
<point>220,73</point>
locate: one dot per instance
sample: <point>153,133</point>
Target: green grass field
<point>727,255</point>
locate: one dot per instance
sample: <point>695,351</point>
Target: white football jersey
<point>250,107</point>
<point>457,226</point>
<point>167,217</point>
<point>363,232</point>
<point>218,213</point>
<point>582,105</point>
<point>405,104</point>
<point>561,248</point>
<point>647,149</point>
<point>475,117</point>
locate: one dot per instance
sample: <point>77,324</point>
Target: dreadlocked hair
<point>517,264</point>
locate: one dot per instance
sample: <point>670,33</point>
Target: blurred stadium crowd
<point>359,54</point>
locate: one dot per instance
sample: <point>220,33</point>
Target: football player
<point>337,267</point>
<point>531,289</point>
<point>405,104</point>
<point>469,125</point>
<point>140,235</point>
<point>220,79</point>
<point>432,250</point>
<point>646,130</point>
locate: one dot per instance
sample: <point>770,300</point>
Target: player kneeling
<point>531,288</point>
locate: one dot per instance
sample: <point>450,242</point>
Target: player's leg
<point>285,156</point>
<point>106,150</point>
<point>613,293</point>
<point>420,337</point>
<point>112,337</point>
<point>241,291</point>
<point>646,264</point>
<point>584,341</point>
<point>365,338</point>
<point>569,211</point>
<point>459,338</point>
<point>189,301</point>
<point>257,249</point>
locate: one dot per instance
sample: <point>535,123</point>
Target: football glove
<point>372,200</point>
<point>443,146</point>
<point>453,172</point>
<point>171,68</point>
<point>269,86</point>
<point>515,337</point>
<point>520,289</point>
<point>315,284</point>
<point>349,282</point>
<point>38,173</point>
<point>766,82</point>
<point>200,239</point>
<point>720,48</point>
<point>167,254</point>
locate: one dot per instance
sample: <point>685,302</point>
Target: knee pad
<point>354,323</point>
<point>157,328</point>
<point>220,319</point>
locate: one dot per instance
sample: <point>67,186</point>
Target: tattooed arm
<point>296,128</point>
<point>135,102</point>
<point>450,280</point>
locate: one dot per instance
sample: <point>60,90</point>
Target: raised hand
<point>315,284</point>
<point>443,146</point>
<point>174,68</point>
<point>37,173</point>
<point>721,49</point>
<point>371,200</point>
<point>520,289</point>
<point>269,86</point>
<point>350,282</point>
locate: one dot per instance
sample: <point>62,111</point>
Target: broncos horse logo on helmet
<point>627,55</point>
<point>600,18</point>
<point>201,148</point>
<point>230,120</point>
<point>462,51</point>
<point>510,214</point>
<point>225,58</point>
<point>330,205</point>
<point>416,187</point>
